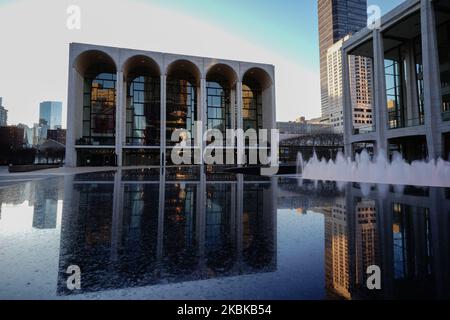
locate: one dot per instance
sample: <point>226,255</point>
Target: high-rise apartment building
<point>3,115</point>
<point>337,18</point>
<point>360,69</point>
<point>50,114</point>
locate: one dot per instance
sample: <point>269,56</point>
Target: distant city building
<point>337,18</point>
<point>360,69</point>
<point>308,137</point>
<point>11,137</point>
<point>58,135</point>
<point>50,114</point>
<point>3,115</point>
<point>300,127</point>
<point>411,86</point>
<point>39,133</point>
<point>28,134</point>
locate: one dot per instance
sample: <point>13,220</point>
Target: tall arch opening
<point>97,72</point>
<point>182,91</point>
<point>142,111</point>
<point>256,99</point>
<point>221,98</point>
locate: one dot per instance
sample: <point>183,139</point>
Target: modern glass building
<point>124,104</point>
<point>337,18</point>
<point>50,114</point>
<point>411,82</point>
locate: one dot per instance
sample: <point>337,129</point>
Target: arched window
<point>181,98</point>
<point>99,103</point>
<point>143,104</point>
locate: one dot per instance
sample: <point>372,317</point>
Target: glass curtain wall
<point>181,105</point>
<point>393,65</point>
<point>443,35</point>
<point>99,107</point>
<point>143,111</point>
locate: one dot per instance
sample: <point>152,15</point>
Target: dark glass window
<point>143,111</point>
<point>218,106</point>
<point>443,34</point>
<point>252,107</point>
<point>99,108</point>
<point>394,90</point>
<point>181,106</point>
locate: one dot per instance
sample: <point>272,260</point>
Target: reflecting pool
<point>186,234</point>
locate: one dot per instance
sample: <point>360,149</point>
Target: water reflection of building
<point>337,250</point>
<point>404,232</point>
<point>126,230</point>
<point>43,196</point>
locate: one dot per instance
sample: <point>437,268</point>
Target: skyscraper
<point>360,69</point>
<point>337,18</point>
<point>3,115</point>
<point>50,114</point>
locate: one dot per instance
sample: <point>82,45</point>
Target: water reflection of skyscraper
<point>43,195</point>
<point>405,234</point>
<point>125,233</point>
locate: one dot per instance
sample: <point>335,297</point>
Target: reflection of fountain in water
<point>434,173</point>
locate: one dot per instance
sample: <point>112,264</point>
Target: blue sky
<point>283,33</point>
<point>288,26</point>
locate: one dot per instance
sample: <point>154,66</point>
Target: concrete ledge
<point>32,167</point>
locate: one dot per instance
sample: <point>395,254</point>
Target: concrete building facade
<point>124,104</point>
<point>337,19</point>
<point>411,87</point>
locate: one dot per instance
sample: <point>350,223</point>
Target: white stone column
<point>233,107</point>
<point>239,120</point>
<point>202,115</point>
<point>380,103</point>
<point>119,116</point>
<point>162,152</point>
<point>347,103</point>
<point>412,101</point>
<point>72,119</point>
<point>431,79</point>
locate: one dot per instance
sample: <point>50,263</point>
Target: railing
<point>397,122</point>
<point>364,129</point>
<point>94,142</point>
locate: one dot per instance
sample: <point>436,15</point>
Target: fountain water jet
<point>434,173</point>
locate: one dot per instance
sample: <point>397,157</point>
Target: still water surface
<point>140,234</point>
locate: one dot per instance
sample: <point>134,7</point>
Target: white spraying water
<point>435,173</point>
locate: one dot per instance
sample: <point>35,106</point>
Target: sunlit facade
<point>124,105</point>
<point>410,58</point>
<point>360,69</point>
